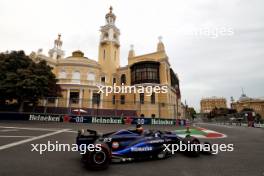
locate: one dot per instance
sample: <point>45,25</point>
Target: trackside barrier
<point>256,125</point>
<point>259,125</point>
<point>90,119</point>
<point>31,117</point>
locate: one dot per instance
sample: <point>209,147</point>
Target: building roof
<point>78,58</point>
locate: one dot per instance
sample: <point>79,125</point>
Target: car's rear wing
<point>86,138</point>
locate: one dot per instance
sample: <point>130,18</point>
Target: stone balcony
<point>79,82</point>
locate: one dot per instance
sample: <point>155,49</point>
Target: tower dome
<point>56,52</point>
<point>110,16</point>
<point>160,46</point>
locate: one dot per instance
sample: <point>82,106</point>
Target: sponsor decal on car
<point>156,141</point>
<point>141,149</point>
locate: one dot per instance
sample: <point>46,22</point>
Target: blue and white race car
<point>129,145</point>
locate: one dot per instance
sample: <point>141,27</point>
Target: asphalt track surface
<point>16,158</point>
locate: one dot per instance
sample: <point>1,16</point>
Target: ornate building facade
<point>208,104</point>
<point>245,102</point>
<point>79,77</point>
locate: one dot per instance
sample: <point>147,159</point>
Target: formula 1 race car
<point>128,145</point>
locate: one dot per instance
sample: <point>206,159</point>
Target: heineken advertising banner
<point>45,118</point>
<point>91,119</point>
<point>123,120</point>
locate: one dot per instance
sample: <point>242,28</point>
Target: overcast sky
<point>206,65</point>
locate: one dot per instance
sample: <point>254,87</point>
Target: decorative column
<point>68,97</point>
<point>91,98</point>
<point>101,100</point>
<point>80,97</point>
<point>56,102</point>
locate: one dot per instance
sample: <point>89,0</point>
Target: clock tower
<point>109,46</point>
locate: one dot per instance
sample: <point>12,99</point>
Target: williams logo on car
<point>141,149</point>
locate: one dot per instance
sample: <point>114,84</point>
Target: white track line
<point>8,130</point>
<point>71,131</point>
<point>1,136</point>
<point>25,128</point>
<point>212,124</point>
<point>31,139</point>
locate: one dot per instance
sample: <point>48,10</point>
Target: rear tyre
<point>162,155</point>
<point>97,160</point>
<point>208,150</point>
<point>195,150</point>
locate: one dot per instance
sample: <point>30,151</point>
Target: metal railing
<point>100,107</point>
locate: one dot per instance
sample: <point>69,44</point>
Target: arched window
<point>62,74</point>
<point>76,77</point>
<point>141,98</point>
<point>123,79</point>
<point>122,99</point>
<point>152,98</point>
<point>91,76</point>
<point>113,99</point>
<point>105,36</point>
<point>103,79</point>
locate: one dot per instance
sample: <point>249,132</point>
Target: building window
<point>152,98</point>
<point>102,79</point>
<point>76,77</point>
<point>113,99</point>
<point>123,79</point>
<point>141,95</point>
<point>62,74</point>
<point>104,54</point>
<point>167,74</point>
<point>105,36</point>
<point>51,100</point>
<point>74,97</point>
<point>145,72</point>
<point>122,99</point>
<point>114,80</point>
<point>96,98</point>
<point>91,76</point>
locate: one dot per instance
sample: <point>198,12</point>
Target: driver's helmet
<point>139,129</point>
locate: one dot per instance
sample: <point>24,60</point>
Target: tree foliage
<point>192,112</point>
<point>23,80</point>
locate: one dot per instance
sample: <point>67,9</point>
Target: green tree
<point>192,112</point>
<point>23,80</point>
